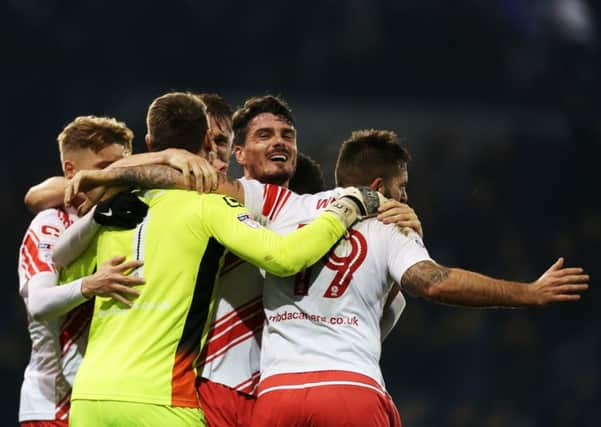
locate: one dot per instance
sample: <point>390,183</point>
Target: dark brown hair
<point>369,154</point>
<point>253,107</point>
<point>308,176</point>
<point>216,106</point>
<point>177,120</point>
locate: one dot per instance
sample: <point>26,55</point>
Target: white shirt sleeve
<point>38,273</point>
<point>35,253</point>
<point>74,241</point>
<point>253,196</point>
<point>404,252</point>
<point>47,300</point>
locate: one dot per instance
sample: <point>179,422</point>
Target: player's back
<point>328,318</point>
<point>146,353</point>
<point>322,340</point>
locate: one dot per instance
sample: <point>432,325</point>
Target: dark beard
<point>281,179</point>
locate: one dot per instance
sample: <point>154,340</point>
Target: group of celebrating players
<point>185,298</point>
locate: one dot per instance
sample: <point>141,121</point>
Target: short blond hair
<point>95,133</point>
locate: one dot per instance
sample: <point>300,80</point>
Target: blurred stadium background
<point>498,101</point>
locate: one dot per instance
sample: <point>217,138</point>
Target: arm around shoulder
<point>47,194</point>
<point>232,225</point>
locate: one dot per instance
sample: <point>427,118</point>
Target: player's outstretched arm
<point>465,288</point>
<point>47,194</point>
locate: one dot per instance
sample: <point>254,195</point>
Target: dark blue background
<point>499,104</point>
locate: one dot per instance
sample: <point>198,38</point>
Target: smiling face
<point>269,151</point>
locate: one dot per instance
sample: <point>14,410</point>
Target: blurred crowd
<point>498,100</point>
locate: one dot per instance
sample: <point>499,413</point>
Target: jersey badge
<point>246,219</point>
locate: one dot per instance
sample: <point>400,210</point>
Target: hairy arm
<point>142,159</point>
<point>175,157</point>
<point>155,176</point>
<point>455,286</point>
<point>438,283</point>
<point>148,176</point>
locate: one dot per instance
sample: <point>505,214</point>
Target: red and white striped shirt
<point>328,317</point>
<point>231,354</point>
<point>57,344</point>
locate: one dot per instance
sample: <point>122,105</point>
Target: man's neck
<point>268,181</point>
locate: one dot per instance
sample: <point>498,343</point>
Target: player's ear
<point>239,154</point>
<point>69,169</point>
<point>377,184</point>
<point>148,142</point>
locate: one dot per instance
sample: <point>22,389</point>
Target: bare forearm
<point>160,176</point>
<point>467,288</point>
<point>155,176</point>
<point>455,286</point>
<point>48,194</point>
<point>142,159</point>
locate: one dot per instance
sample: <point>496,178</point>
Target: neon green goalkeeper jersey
<point>146,353</point>
<point>85,265</point>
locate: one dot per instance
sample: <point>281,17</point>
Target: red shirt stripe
<point>270,193</point>
<point>75,324</point>
<point>287,194</point>
<point>32,255</point>
<point>237,334</point>
<point>63,407</point>
<point>249,385</point>
<point>239,315</point>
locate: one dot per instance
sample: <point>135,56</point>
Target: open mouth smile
<point>278,157</point>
